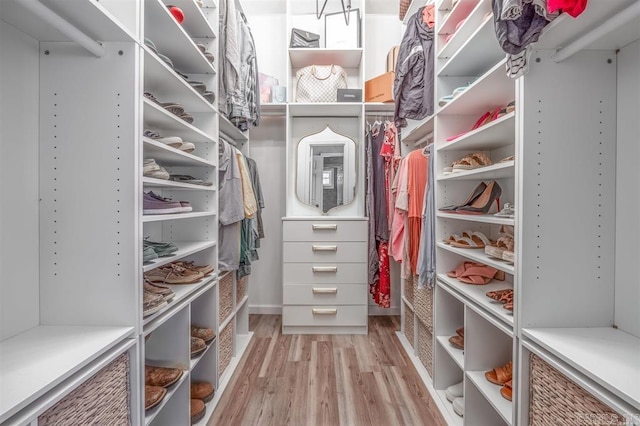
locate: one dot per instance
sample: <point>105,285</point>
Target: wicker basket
<point>556,400</point>
<point>404,7</point>
<point>425,347</point>
<point>226,348</point>
<point>409,325</point>
<point>225,294</point>
<point>101,400</point>
<point>241,288</point>
<point>408,289</point>
<point>423,304</point>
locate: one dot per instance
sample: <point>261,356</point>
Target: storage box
<point>266,82</point>
<point>349,95</point>
<point>379,89</point>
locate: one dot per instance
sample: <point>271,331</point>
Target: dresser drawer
<point>324,315</point>
<point>324,252</point>
<point>325,294</point>
<point>324,273</point>
<point>324,230</point>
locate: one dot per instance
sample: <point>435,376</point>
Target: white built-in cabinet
<point>574,185</point>
<point>71,163</point>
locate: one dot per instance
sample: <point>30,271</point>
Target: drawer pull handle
<point>324,311</point>
<point>317,290</point>
<point>318,247</point>
<point>324,268</point>
<point>324,227</point>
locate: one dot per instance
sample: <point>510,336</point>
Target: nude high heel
<point>482,204</point>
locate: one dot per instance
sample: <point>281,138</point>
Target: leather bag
<point>320,83</point>
<point>302,38</point>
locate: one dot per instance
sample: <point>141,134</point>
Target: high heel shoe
<point>472,197</point>
<point>482,204</point>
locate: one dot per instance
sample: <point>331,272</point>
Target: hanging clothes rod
<point>64,27</point>
<point>616,21</point>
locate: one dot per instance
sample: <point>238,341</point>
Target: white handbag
<point>320,83</point>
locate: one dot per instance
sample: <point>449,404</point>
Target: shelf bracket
<point>346,10</point>
<point>65,27</point>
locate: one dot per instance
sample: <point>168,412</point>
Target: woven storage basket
<point>409,325</point>
<point>408,289</point>
<point>556,400</point>
<point>404,7</point>
<point>101,400</point>
<point>425,347</point>
<point>225,294</point>
<point>423,304</point>
<point>241,288</point>
<point>226,347</point>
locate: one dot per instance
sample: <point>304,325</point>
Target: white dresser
<point>324,275</point>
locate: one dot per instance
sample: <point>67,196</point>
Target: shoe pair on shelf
<point>200,338</point>
<point>153,170</point>
<point>454,394</point>
<point>472,161</point>
<point>476,273</point>
<point>201,393</point>
<point>205,52</point>
<point>156,381</point>
<point>173,107</point>
<point>156,204</point>
<point>468,240</point>
<point>457,341</point>
<point>182,272</point>
<point>173,141</point>
<point>153,250</point>
<point>479,201</point>
<point>503,249</point>
<point>502,296</point>
<point>502,376</point>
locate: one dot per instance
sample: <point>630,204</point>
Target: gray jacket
<point>413,85</point>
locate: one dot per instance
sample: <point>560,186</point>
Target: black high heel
<point>482,204</point>
<point>472,197</point>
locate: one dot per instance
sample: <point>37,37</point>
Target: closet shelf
<point>472,22</point>
<point>196,19</point>
<point>496,134</point>
<point>420,131</point>
<point>504,170</point>
<point>604,354</point>
<point>493,90</point>
<point>166,85</point>
<point>456,354</point>
<point>196,360</point>
<point>346,58</point>
<point>184,294</point>
<point>185,248</point>
<point>491,392</point>
<point>477,295</point>
<point>379,107</point>
<point>231,131</point>
<point>148,182</point>
<point>173,41</point>
<point>159,119</point>
<point>176,216</point>
<point>242,303</point>
<point>478,256</point>
<point>481,218</point>
<point>168,156</point>
<point>26,374</point>
<point>476,55</point>
<point>460,11</point>
<point>273,108</point>
<point>151,414</point>
<point>337,109</point>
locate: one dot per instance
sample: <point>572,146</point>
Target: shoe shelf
<point>491,392</point>
<point>478,53</point>
<point>605,355</point>
<point>158,118</point>
<point>167,85</point>
<point>481,218</point>
<point>475,294</point>
<point>169,156</point>
<point>211,346</point>
<point>196,22</point>
<point>321,109</point>
<point>459,11</point>
<point>478,255</point>
<point>456,354</point>
<point>184,294</point>
<point>152,413</point>
<point>472,22</point>
<point>346,58</point>
<point>231,131</point>
<point>162,183</point>
<point>185,248</point>
<point>496,134</point>
<point>494,89</point>
<point>173,41</point>
<point>495,171</point>
<point>175,216</point>
<point>26,375</point>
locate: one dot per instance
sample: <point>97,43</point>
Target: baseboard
<point>265,309</point>
<point>377,311</point>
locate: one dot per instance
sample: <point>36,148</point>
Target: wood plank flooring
<point>322,380</point>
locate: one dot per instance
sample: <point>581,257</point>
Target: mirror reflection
<point>326,175</point>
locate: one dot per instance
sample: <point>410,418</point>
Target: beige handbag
<point>320,83</point>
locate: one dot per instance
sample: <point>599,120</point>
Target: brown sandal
<point>497,294</point>
<point>471,161</point>
<point>500,375</point>
<point>507,390</point>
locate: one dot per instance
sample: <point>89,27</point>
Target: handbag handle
<point>313,72</point>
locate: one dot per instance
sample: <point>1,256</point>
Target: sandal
<point>497,294</point>
<point>461,268</point>
<point>500,375</point>
<point>480,275</point>
<point>508,306</point>
<point>457,342</point>
<point>471,161</point>
<point>475,241</point>
<point>507,390</point>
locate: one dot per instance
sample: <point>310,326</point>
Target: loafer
<point>173,274</point>
<point>162,248</point>
<point>161,376</point>
<point>203,333</point>
<point>148,253</point>
<point>152,205</point>
<point>153,395</point>
<point>190,265</point>
<point>158,289</point>
<point>202,390</point>
<point>198,409</point>
<point>197,346</point>
<point>151,303</point>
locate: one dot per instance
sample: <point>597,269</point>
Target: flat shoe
<point>454,391</point>
<point>198,409</point>
<point>507,390</point>
<point>202,390</point>
<point>500,375</point>
<point>153,395</point>
<point>457,342</point>
<point>197,346</point>
<point>161,376</point>
<point>203,333</point>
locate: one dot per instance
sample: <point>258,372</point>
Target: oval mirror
<point>326,172</point>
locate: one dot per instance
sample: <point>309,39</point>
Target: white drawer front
<point>325,294</point>
<point>324,230</point>
<point>324,315</point>
<point>324,273</point>
<point>324,252</point>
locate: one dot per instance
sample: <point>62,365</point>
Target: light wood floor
<point>321,380</point>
